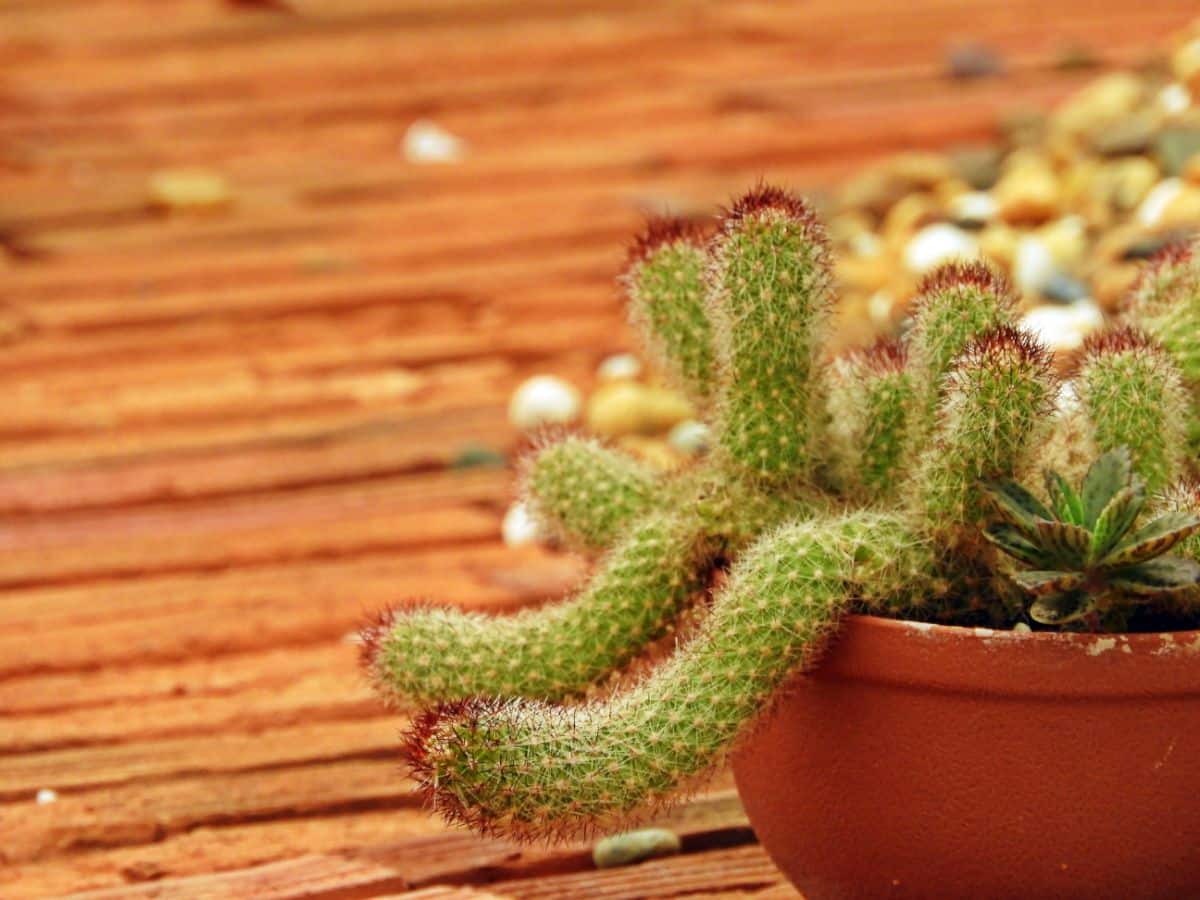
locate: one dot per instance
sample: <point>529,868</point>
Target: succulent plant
<point>833,486</point>
<point>1086,557</point>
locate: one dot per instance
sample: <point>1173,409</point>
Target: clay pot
<point>936,762</point>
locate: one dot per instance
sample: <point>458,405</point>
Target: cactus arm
<point>664,281</point>
<point>956,304</point>
<point>532,771</point>
<point>434,654</point>
<point>996,398</point>
<point>587,495</point>
<point>769,300</point>
<point>1133,395</point>
<point>870,402</point>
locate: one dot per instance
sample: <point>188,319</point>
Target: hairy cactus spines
<point>530,770</point>
<point>956,304</point>
<point>431,654</point>
<point>870,403</point>
<point>769,298</point>
<point>587,495</point>
<point>996,398</point>
<point>1133,396</point>
<point>665,282</point>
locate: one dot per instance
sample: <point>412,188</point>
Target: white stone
<point>1174,99</point>
<point>428,142</point>
<point>1022,628</point>
<point>543,400</point>
<point>974,206</point>
<point>45,795</point>
<point>518,527</point>
<point>1033,265</point>
<point>690,437</point>
<point>1156,202</point>
<point>1063,327</point>
<point>619,367</point>
<point>937,244</point>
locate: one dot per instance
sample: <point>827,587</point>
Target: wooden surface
<point>224,436</point>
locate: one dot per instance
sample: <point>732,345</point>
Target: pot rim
<point>1054,665</point>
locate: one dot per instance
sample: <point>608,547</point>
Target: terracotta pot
<point>935,762</point>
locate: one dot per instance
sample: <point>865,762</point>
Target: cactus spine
<point>871,502</point>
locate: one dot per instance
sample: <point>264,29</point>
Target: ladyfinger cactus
<point>769,297</point>
<point>1133,396</point>
<point>852,485</point>
<point>664,281</point>
<point>587,495</point>
<point>434,654</point>
<point>530,770</point>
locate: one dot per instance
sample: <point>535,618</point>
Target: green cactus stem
<point>431,654</point>
<point>957,303</point>
<point>530,770</point>
<point>664,280</point>
<point>586,495</point>
<point>997,396</point>
<point>1133,396</point>
<point>769,299</point>
<point>870,402</point>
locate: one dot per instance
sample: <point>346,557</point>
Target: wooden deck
<point>225,436</point>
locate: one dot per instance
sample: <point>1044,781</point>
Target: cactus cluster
<point>857,484</point>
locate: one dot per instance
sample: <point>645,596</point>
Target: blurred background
<point>272,272</point>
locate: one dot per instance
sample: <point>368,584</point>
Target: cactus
<point>857,484</point>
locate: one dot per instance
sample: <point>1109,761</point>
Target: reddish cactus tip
<point>1174,253</point>
<point>1006,341</point>
<point>660,232</point>
<point>1121,339</point>
<point>769,198</point>
<point>885,357</point>
<point>973,274</point>
<point>372,634</point>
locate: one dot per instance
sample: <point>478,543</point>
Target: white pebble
<point>1174,99</point>
<point>518,527</point>
<point>1063,327</point>
<point>1033,265</point>
<point>45,795</point>
<point>690,437</point>
<point>543,400</point>
<point>937,244</point>
<point>974,206</point>
<point>620,367</point>
<point>428,142</point>
<point>1157,201</point>
<point>1022,628</point>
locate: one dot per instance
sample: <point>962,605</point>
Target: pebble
<point>635,846</point>
<point>1127,135</point>
<point>973,209</point>
<point>1126,183</point>
<point>1066,239</point>
<point>46,795</point>
<point>690,437</point>
<point>1155,203</point>
<point>1028,194</point>
<point>189,189</point>
<point>1022,628</point>
<point>1063,328</point>
<point>936,244</point>
<point>1185,62</point>
<point>543,400</point>
<point>1174,99</point>
<point>978,166</point>
<point>1062,288</point>
<point>1104,100</point>
<point>625,407</point>
<point>427,142</point>
<point>619,367</point>
<point>1176,147</point>
<point>1033,265</point>
<point>1024,127</point>
<point>971,59</point>
<point>518,527</point>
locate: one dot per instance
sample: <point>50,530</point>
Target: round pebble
<point>634,846</point>
<point>937,244</point>
<point>1063,328</point>
<point>518,527</point>
<point>619,367</point>
<point>1150,213</point>
<point>543,400</point>
<point>1174,99</point>
<point>973,209</point>
<point>428,142</point>
<point>46,795</point>
<point>690,437</point>
<point>1033,265</point>
<point>1022,628</point>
